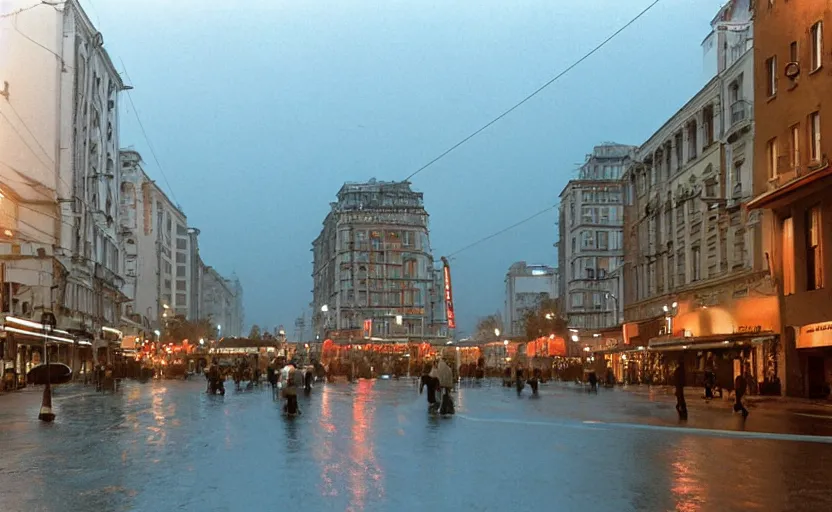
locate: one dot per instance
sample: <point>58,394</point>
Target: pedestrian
<point>289,382</point>
<point>740,385</point>
<point>679,383</point>
<point>428,382</point>
<point>446,383</point>
<point>709,377</point>
<point>518,379</point>
<point>593,382</point>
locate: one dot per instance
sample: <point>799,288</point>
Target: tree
<point>486,326</point>
<point>255,332</point>
<point>545,319</point>
<point>179,328</point>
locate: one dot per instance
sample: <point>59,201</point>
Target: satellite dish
<point>792,70</point>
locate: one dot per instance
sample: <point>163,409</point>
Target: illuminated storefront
<point>717,332</point>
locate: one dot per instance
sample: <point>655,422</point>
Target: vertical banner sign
<point>449,297</point>
<point>368,328</point>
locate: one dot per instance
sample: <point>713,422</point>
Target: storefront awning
<point>709,342</point>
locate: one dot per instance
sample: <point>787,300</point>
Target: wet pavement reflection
<point>372,446</point>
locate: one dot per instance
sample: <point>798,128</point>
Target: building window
<point>814,136</point>
<point>577,300</point>
<point>795,156</point>
<point>771,76</point>
<point>788,256</point>
<point>814,257</point>
<point>678,143</point>
<point>707,126</point>
<point>603,239</point>
<point>817,45</point>
<point>793,55</point>
<point>771,158</point>
<point>574,245</point>
<point>692,144</point>
<point>696,263</point>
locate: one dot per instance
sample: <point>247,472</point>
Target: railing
<point>740,111</point>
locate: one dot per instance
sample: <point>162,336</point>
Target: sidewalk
<point>694,395</point>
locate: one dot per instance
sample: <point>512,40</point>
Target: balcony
<point>793,183</point>
<point>741,115</point>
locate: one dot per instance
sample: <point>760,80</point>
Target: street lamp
<point>201,341</point>
<point>615,301</point>
<point>549,316</point>
<point>496,332</point>
<point>48,322</point>
<point>324,308</point>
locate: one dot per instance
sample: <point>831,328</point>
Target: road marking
<point>599,425</point>
<point>822,416</point>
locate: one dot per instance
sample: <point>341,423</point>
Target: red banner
<point>368,328</point>
<point>449,299</point>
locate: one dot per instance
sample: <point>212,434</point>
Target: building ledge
<point>791,190</point>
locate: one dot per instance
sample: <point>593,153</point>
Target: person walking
<point>709,377</point>
<point>679,383</point>
<point>446,383</point>
<point>740,385</point>
<point>427,381</point>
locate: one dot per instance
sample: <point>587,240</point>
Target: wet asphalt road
<point>371,446</point>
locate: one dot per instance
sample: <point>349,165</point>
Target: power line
<point>53,5</point>
<point>500,232</point>
<point>146,138</point>
<point>535,93</point>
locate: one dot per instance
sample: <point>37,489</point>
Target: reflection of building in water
<point>368,478</point>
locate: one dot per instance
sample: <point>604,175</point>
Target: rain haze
<point>258,112</point>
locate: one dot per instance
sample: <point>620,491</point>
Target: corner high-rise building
<point>590,250</point>
<point>373,268</point>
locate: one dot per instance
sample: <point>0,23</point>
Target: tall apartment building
<point>218,300</point>
<point>59,180</point>
<point>526,286</point>
<point>792,183</point>
<point>373,263</point>
<point>694,282</point>
<point>138,242</point>
<point>590,249</point>
<point>237,314</point>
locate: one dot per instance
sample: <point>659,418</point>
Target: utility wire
<point>54,5</point>
<point>500,232</point>
<point>146,138</point>
<point>535,93</point>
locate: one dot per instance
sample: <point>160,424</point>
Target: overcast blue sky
<point>260,109</point>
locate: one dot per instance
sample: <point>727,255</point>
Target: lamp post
<point>325,311</point>
<point>48,322</point>
<point>615,301</point>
